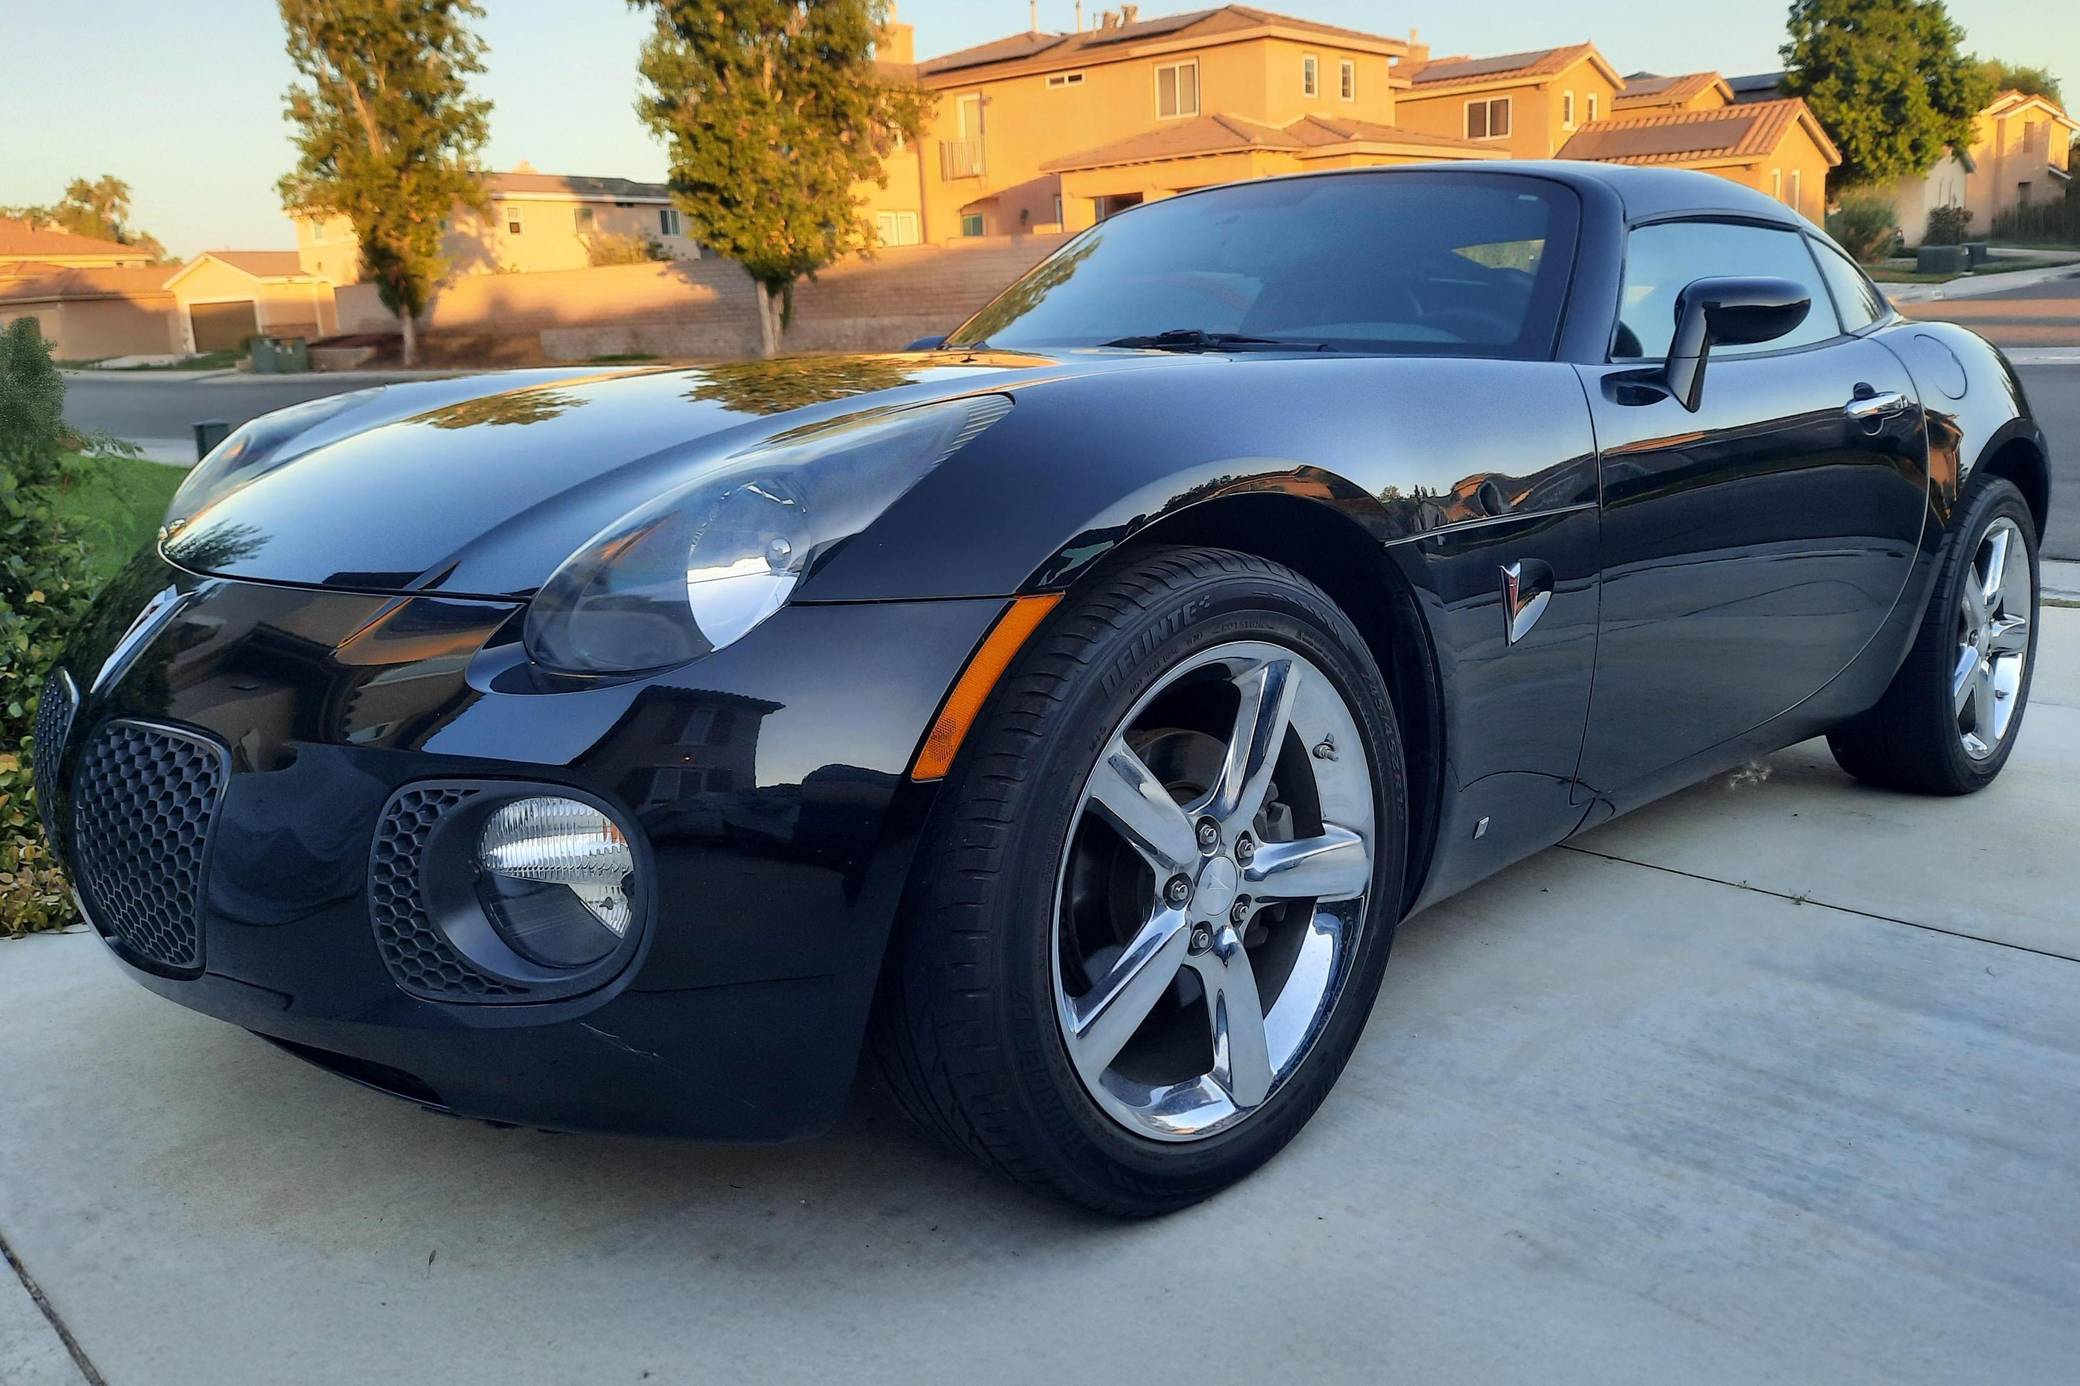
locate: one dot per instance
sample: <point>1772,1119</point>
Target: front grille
<point>419,956</point>
<point>144,801</point>
<point>53,721</point>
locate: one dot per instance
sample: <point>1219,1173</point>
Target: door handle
<point>1527,589</point>
<point>1870,404</point>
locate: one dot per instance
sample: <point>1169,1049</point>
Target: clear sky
<point>183,100</point>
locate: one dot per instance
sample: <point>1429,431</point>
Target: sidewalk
<point>1974,285</point>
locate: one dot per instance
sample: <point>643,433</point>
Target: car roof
<point>1643,194</point>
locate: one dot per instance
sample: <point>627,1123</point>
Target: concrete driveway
<point>1777,1080</point>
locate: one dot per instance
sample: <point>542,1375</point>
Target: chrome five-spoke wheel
<point>1992,639</point>
<point>1212,890</point>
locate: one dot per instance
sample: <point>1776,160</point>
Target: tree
<point>773,112</point>
<point>2031,81</point>
<point>100,209</point>
<point>386,133</point>
<point>1887,80</point>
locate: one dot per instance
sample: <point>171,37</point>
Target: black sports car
<point>1070,708</point>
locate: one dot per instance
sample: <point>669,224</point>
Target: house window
<point>1177,89</point>
<point>1057,80</point>
<point>1592,105</point>
<point>667,221</point>
<point>1776,184</point>
<point>967,116</point>
<point>1310,75</point>
<point>971,223</point>
<point>1795,198</point>
<point>1057,209</point>
<point>896,228</point>
<point>1488,120</point>
<point>1347,77</point>
<point>512,219</point>
<point>1567,110</point>
<point>581,220</point>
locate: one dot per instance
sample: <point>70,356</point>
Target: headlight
<point>691,572</point>
<point>553,875</point>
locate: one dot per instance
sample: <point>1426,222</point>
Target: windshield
<point>1452,264</point>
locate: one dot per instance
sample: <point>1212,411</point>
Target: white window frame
<point>1592,106</point>
<point>1057,80</point>
<point>1176,95</point>
<point>1347,80</point>
<point>1776,184</point>
<point>981,225</point>
<point>668,221</point>
<point>889,228</point>
<point>1488,105</point>
<point>1797,189</point>
<point>1310,75</point>
<point>510,220</point>
<point>961,124</point>
<point>1567,110</point>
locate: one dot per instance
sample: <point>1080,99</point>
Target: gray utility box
<point>281,356</point>
<point>1941,259</point>
<point>1977,251</point>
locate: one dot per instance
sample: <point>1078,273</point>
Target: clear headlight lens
<point>553,876</point>
<point>698,568</point>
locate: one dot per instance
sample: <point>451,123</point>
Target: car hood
<point>482,486</point>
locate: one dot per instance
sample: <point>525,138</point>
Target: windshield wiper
<point>1198,339</point>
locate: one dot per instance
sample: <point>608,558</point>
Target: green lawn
<point>115,504</point>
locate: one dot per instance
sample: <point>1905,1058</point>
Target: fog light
<point>553,876</point>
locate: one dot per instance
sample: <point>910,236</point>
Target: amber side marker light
<point>971,690</point>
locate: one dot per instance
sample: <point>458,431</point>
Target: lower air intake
<point>144,802</point>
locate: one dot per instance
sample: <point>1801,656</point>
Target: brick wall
<point>706,308</point>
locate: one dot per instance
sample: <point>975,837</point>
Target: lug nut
<point>1209,835</point>
<point>1238,913</point>
<point>1202,938</point>
<point>1178,891</point>
<point>1245,849</point>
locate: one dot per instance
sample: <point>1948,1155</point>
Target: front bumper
<point>768,781</point>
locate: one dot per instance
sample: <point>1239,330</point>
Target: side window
<point>1855,297</point>
<point>1660,260</point>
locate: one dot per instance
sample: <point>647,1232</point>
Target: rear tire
<point>978,1029</point>
<point>1949,720</point>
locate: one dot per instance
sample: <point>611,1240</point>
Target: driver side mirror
<point>1727,312</point>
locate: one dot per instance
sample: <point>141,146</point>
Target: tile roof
<point>1757,86</point>
<point>1543,62</point>
<point>1673,137</point>
<point>1229,134</point>
<point>574,185</point>
<point>261,264</point>
<point>18,239</point>
<point>1045,50</point>
<point>56,282</point>
<point>1645,89</point>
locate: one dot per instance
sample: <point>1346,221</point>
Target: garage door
<point>223,326</point>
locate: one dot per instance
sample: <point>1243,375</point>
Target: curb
<point>2060,578</point>
<point>1977,285</point>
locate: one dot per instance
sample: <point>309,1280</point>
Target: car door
<point>1752,548</point>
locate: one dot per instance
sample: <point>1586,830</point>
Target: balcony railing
<point>960,158</point>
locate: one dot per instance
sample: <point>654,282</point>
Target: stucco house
<point>223,297</point>
<point>1775,146</point>
<point>1526,105</point>
<point>535,221</point>
<point>1046,131</point>
<point>87,313</point>
<point>2020,155</point>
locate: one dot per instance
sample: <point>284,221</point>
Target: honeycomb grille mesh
<point>419,957</point>
<point>53,721</point>
<point>144,801</point>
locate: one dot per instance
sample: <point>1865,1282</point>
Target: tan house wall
<point>1026,123</point>
<point>2008,150</point>
<point>1537,117</point>
<point>706,308</point>
<point>93,329</point>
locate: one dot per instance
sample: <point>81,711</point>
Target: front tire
<point>1948,722</point>
<point>1156,901</point>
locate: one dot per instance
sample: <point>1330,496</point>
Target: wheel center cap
<point>1218,881</point>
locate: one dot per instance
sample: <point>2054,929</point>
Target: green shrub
<point>42,594</point>
<point>1864,223</point>
<point>2041,223</point>
<point>612,248</point>
<point>1948,226</point>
